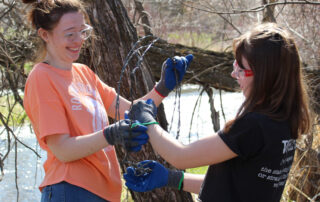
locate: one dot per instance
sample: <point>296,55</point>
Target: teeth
<point>74,49</point>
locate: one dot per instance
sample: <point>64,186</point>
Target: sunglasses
<point>240,72</point>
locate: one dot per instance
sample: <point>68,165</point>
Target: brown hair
<point>46,14</point>
<point>278,90</point>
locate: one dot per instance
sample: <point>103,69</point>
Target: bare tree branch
<point>255,9</point>
<point>16,138</point>
<point>143,15</point>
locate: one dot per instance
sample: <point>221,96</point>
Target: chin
<point>73,59</point>
<point>245,93</point>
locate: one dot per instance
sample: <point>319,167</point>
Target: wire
<point>135,51</point>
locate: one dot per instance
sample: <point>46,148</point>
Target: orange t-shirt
<point>73,102</point>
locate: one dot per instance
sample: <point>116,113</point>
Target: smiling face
<point>243,76</point>
<point>63,50</point>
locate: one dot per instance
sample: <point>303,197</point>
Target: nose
<point>233,74</point>
<point>79,39</point>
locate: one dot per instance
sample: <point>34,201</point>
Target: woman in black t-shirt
<point>249,160</point>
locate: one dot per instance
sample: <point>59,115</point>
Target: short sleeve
<point>44,107</point>
<point>245,137</point>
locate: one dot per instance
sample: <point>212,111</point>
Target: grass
<point>199,170</point>
<point>200,40</point>
<point>125,195</point>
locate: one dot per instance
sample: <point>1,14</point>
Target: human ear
<point>44,34</point>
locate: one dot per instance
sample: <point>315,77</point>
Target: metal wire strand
<point>135,51</point>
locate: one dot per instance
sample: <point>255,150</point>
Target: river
<point>31,173</point>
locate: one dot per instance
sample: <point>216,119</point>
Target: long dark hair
<point>278,89</point>
<point>46,14</point>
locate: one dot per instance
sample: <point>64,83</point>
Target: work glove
<point>156,176</point>
<point>143,111</point>
<point>121,133</point>
<point>172,73</point>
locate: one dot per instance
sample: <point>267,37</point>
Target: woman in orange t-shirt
<point>68,106</point>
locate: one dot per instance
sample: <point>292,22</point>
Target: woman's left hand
<point>122,133</point>
<point>138,181</point>
<point>172,73</point>
<point>143,111</point>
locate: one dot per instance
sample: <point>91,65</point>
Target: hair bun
<point>29,1</point>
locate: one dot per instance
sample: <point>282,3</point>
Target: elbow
<point>62,157</point>
<point>59,147</point>
<point>181,166</point>
<point>61,154</point>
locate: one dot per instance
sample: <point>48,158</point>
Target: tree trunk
<point>115,37</point>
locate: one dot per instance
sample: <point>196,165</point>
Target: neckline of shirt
<point>63,72</point>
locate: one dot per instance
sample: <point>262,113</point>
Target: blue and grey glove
<point>143,111</point>
<point>169,80</point>
<point>158,176</point>
<point>121,133</point>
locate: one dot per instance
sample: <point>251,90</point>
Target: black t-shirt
<point>265,154</point>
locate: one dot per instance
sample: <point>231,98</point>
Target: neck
<point>58,64</point>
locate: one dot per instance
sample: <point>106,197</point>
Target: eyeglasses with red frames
<point>241,72</point>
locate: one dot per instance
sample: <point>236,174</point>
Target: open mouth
<point>74,50</point>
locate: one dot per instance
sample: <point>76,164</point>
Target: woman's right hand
<point>122,133</point>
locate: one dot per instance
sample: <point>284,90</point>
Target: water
<point>30,170</point>
<point>202,124</point>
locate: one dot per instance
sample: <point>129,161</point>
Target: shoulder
<point>249,118</point>
<point>265,124</point>
<point>37,85</point>
<point>42,78</point>
<point>82,67</point>
<point>85,71</point>
<point>262,119</point>
<point>245,135</point>
<point>254,117</point>
<point>38,72</point>
<point>39,68</point>
<point>249,122</point>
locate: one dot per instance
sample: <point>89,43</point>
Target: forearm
<point>169,148</point>
<point>157,99</point>
<point>67,148</point>
<point>192,182</point>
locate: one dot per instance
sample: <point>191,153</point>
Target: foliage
<point>12,112</point>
